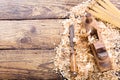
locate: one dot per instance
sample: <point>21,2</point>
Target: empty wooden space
<point>35,9</point>
<point>27,63</point>
<point>40,34</point>
<point>30,30</point>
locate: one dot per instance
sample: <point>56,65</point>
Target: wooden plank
<point>38,9</point>
<point>37,34</point>
<point>116,2</point>
<point>25,64</point>
<point>35,9</point>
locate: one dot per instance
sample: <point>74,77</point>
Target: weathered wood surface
<point>26,64</point>
<point>30,34</point>
<point>38,9</point>
<point>116,3</point>
<point>35,9</point>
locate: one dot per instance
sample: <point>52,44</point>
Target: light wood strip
<point>37,34</point>
<point>35,9</point>
<point>38,64</point>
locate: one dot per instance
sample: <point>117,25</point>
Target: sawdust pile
<point>87,69</point>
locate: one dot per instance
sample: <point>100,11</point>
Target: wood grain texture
<point>116,3</point>
<point>35,9</point>
<point>26,64</point>
<point>30,34</point>
<point>38,9</point>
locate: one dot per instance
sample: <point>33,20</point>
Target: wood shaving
<point>87,68</point>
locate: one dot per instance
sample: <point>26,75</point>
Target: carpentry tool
<point>98,48</point>
<point>73,66</point>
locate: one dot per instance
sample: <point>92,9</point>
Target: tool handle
<point>73,65</point>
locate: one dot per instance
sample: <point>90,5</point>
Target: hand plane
<point>98,48</point>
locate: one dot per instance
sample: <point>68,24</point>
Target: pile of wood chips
<point>87,68</point>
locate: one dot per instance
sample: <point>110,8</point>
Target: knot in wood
<point>25,40</point>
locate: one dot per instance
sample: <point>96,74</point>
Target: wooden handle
<point>73,65</point>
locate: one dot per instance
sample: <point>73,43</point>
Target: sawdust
<point>87,68</point>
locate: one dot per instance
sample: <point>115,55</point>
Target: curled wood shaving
<point>87,69</point>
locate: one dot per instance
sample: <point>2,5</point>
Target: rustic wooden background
<point>29,32</point>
